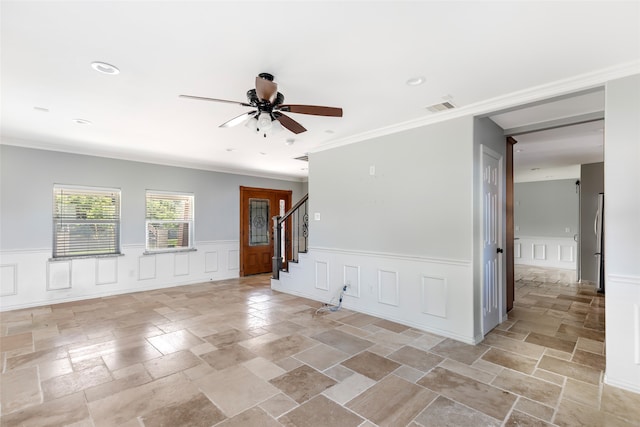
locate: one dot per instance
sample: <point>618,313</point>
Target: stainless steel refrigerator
<point>598,228</point>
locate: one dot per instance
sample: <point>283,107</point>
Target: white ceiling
<point>355,55</point>
<point>556,153</point>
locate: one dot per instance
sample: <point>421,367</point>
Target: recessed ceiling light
<point>104,68</point>
<point>290,141</point>
<point>329,131</point>
<point>82,121</point>
<point>231,149</point>
<point>416,81</point>
<point>41,109</point>
<point>535,169</point>
<point>263,153</point>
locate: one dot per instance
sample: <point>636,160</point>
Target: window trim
<point>55,221</point>
<point>191,222</point>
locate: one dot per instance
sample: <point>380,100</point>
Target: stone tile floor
<point>236,353</point>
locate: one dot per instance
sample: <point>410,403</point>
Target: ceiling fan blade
<point>237,120</point>
<point>315,110</point>
<point>201,98</point>
<point>289,123</point>
<point>266,89</point>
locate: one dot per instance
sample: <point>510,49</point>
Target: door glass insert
<point>258,222</point>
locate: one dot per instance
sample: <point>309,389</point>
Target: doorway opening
<point>552,140</point>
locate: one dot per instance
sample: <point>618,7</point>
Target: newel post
<point>277,250</point>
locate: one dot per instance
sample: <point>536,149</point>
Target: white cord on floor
<point>329,307</point>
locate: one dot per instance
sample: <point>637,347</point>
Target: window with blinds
<point>86,221</point>
<point>169,221</point>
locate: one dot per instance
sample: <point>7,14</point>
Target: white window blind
<point>86,221</point>
<point>169,221</point>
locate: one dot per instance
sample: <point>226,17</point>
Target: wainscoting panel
<point>147,267</point>
<point>322,275</point>
<point>211,262</point>
<point>541,251</point>
<point>623,331</point>
<point>106,271</point>
<point>83,273</point>
<point>43,281</point>
<point>434,296</point>
<point>181,264</point>
<point>565,253</point>
<point>388,291</point>
<point>58,275</point>
<point>234,259</point>
<point>352,280</point>
<point>8,280</point>
<point>636,333</point>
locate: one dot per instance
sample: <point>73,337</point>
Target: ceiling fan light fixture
<point>252,124</point>
<point>264,122</point>
<point>276,126</point>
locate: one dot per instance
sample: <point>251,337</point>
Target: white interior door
<point>491,239</point>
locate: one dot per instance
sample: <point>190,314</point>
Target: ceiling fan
<point>269,107</point>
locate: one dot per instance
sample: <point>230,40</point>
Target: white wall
<point>622,232</point>
<point>402,236</point>
<point>28,277</point>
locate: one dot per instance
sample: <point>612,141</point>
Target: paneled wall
<point>28,275</point>
<point>392,217</point>
<point>429,294</point>
<point>543,251</point>
<point>31,278</point>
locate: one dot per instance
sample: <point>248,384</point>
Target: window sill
<point>168,251</point>
<point>72,257</point>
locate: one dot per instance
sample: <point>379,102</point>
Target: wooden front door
<point>257,208</point>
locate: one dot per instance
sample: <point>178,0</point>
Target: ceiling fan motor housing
<point>266,106</point>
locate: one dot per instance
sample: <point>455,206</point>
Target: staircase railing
<point>296,232</point>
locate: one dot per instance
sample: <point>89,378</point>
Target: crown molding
<point>520,98</point>
<point>145,158</point>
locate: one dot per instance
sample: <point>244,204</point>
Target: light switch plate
<point>316,216</point>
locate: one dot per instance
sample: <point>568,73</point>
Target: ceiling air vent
<point>303,158</point>
<point>441,107</point>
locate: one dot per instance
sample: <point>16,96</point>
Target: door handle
<point>500,250</point>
